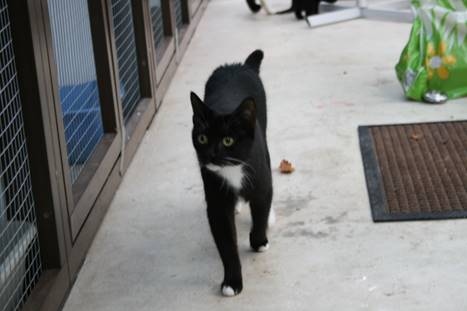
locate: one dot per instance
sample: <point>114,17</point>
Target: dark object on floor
<point>416,171</point>
<point>301,8</point>
<point>304,8</point>
<point>254,7</point>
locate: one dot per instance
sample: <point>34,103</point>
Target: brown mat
<point>416,171</point>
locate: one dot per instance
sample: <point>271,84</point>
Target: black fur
<point>299,7</point>
<point>234,106</point>
<point>253,6</point>
<point>254,60</point>
<point>307,7</point>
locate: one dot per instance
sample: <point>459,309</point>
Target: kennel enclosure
<point>80,82</point>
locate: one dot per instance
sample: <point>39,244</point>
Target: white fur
<point>228,291</point>
<point>265,7</point>
<point>264,248</point>
<point>233,174</point>
<point>272,217</point>
<point>212,167</point>
<point>241,203</point>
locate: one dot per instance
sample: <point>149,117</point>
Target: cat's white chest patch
<point>233,174</point>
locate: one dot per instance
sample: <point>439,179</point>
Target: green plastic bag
<point>435,58</point>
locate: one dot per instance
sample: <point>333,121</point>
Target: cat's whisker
<point>223,184</point>
<point>247,175</point>
<point>249,178</point>
<point>237,161</point>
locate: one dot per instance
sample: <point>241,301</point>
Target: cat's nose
<point>211,156</point>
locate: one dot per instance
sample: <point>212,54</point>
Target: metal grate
<point>79,94</point>
<point>20,264</point>
<point>178,13</point>
<point>124,33</point>
<point>157,25</point>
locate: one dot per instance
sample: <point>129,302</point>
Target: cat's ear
<point>247,112</point>
<point>197,104</point>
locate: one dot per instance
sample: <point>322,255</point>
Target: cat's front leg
<point>221,215</point>
<point>260,206</point>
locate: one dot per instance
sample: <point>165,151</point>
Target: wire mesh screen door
<point>124,33</point>
<point>86,111</point>
<point>78,88</point>
<point>157,23</point>
<point>178,8</point>
<point>164,32</point>
<point>20,264</point>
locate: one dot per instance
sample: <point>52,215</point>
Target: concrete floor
<point>154,250</point>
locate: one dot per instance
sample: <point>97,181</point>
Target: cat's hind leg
<point>298,13</point>
<point>312,8</point>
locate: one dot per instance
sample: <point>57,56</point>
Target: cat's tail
<point>254,60</point>
<point>253,6</point>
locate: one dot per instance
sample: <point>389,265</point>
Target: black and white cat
<point>229,136</point>
<point>305,8</point>
<point>299,7</point>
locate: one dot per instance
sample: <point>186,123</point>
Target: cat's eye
<point>228,141</point>
<point>202,139</point>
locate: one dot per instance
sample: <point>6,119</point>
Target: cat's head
<point>223,139</point>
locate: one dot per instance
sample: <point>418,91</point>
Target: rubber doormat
<point>416,171</point>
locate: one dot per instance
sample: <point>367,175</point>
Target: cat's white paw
<point>272,217</point>
<point>228,291</point>
<point>263,248</point>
